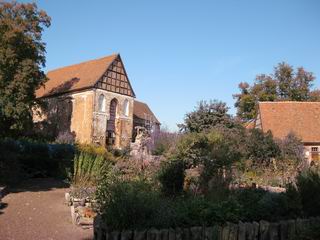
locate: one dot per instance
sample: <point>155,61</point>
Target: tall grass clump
<point>90,163</point>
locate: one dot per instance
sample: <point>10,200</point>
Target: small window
<point>102,103</point>
<point>126,108</point>
<point>314,149</point>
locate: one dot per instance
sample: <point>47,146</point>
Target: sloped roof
<point>301,118</point>
<point>142,111</point>
<point>75,77</point>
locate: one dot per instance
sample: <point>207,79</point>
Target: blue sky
<point>177,53</point>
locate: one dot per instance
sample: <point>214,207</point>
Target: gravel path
<point>36,210</point>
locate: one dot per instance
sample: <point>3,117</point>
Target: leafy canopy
<point>22,54</point>
<point>207,115</point>
<point>285,84</point>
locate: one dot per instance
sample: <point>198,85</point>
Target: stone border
<point>3,191</point>
<point>81,211</point>
<point>262,230</point>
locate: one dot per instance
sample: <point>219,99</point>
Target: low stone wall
<point>263,230</point>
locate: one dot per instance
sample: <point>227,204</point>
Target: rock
<point>301,225</point>
<point>208,233</point>
<point>233,234</point>
<point>283,230</point>
<point>73,217</point>
<point>217,232</point>
<point>291,224</point>
<point>249,231</point>
<point>264,230</point>
<point>179,234</point>
<point>256,228</point>
<point>225,232</point>
<point>83,221</point>
<point>172,234</point>
<point>196,233</point>
<point>164,234</point>
<point>274,231</point>
<point>99,229</point>
<point>126,235</point>
<point>67,197</point>
<point>139,235</point>
<point>153,234</point>
<point>241,231</point>
<point>186,234</point>
<point>113,235</point>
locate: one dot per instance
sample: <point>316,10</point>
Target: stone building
<point>92,102</point>
<point>300,118</point>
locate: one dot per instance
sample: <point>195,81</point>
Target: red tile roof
<point>302,118</point>
<point>75,77</point>
<point>142,110</point>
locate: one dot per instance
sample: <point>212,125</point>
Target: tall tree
<point>22,55</point>
<point>207,115</point>
<point>285,84</point>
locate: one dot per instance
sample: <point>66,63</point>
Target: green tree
<point>22,55</point>
<point>285,84</point>
<point>214,151</point>
<point>261,148</point>
<point>207,115</point>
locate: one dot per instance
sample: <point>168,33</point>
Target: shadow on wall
<point>57,124</point>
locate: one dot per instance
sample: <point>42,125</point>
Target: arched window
<point>102,103</point>
<point>126,108</point>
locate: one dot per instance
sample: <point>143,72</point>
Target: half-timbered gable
<point>116,79</point>
<point>100,101</point>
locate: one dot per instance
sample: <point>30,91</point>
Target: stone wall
<point>67,117</point>
<point>76,117</point>
<point>283,230</point>
<point>124,123</point>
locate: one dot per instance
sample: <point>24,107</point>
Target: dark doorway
<point>111,123</point>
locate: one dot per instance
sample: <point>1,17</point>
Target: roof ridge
<point>87,61</point>
<point>286,102</point>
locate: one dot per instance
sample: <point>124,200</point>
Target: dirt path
<point>36,210</point>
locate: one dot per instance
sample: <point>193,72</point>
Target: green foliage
<point>285,84</point>
<point>292,148</point>
<point>207,116</point>
<point>215,151</point>
<point>171,177</point>
<point>308,184</point>
<point>22,55</point>
<point>127,204</point>
<point>164,142</point>
<point>261,147</point>
<point>26,158</point>
<point>90,164</point>
<point>310,232</point>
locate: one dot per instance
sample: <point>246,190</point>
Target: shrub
<point>310,232</point>
<point>261,147</point>
<point>127,204</point>
<point>171,177</point>
<point>29,158</point>
<point>308,184</point>
<point>291,148</point>
<point>164,141</point>
<point>88,168</point>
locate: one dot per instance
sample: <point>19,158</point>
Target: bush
<point>261,147</point>
<point>291,148</point>
<point>308,184</point>
<point>28,158</point>
<point>311,232</point>
<point>257,204</point>
<point>164,141</point>
<point>171,177</point>
<point>89,164</point>
<point>127,204</point>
